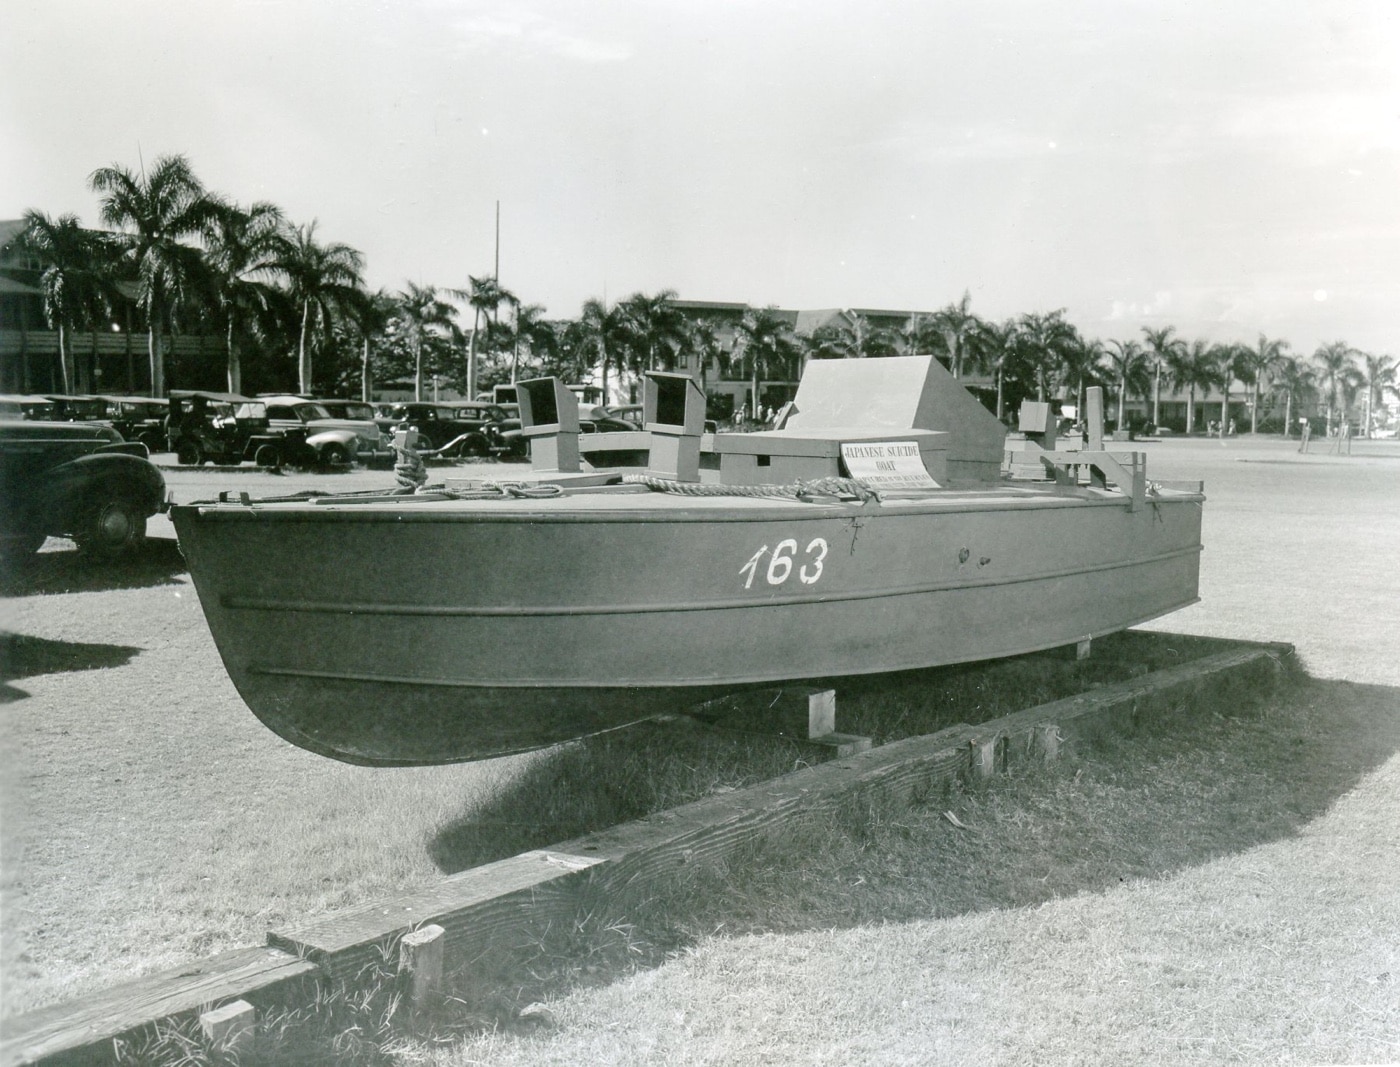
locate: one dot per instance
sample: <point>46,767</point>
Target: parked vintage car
<point>224,428</point>
<point>138,418</point>
<point>329,440</point>
<point>458,428</point>
<point>359,410</point>
<point>71,408</point>
<point>74,479</point>
<point>26,406</point>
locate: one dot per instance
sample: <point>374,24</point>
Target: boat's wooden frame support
<point>511,901</point>
<point>798,712</point>
<point>1127,471</point>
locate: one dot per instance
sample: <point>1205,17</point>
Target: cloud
<point>480,28</point>
<point>1320,124</point>
<point>1159,304</point>
<point>943,143</point>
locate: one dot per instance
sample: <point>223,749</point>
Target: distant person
<point>1306,430</point>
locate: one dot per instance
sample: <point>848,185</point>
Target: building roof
<point>707,305</point>
<point>10,287</point>
<point>9,230</point>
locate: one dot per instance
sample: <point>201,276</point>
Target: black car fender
<point>109,474</point>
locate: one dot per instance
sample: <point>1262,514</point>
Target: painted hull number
<point>783,561</point>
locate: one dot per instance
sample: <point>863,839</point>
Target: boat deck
<point>636,501</point>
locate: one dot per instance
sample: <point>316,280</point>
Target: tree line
<point>282,299</point>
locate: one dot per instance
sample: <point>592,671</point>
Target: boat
<point>877,528</point>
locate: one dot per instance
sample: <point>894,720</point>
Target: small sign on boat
<point>887,464</point>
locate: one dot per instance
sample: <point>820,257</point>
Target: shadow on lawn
<point>22,656</point>
<point>1206,781</point>
<point>626,774</point>
<point>66,570</point>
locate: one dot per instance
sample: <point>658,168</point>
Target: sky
<point>1227,168</point>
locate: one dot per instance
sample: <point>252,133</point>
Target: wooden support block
<point>232,1029</point>
<point>420,959</point>
<point>1045,741</point>
<point>821,713</point>
<point>1082,650</point>
<point>841,745</point>
<point>987,756</point>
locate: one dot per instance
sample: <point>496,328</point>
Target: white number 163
<point>781,563</point>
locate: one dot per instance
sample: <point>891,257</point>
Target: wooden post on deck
<point>1093,418</point>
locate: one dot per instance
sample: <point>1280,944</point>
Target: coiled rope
<point>493,491</point>
<point>843,488</point>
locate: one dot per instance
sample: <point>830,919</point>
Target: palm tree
<point>765,342</point>
<point>1296,380</point>
<point>324,282</point>
<point>1131,362</point>
<point>74,281</point>
<point>421,314</point>
<point>537,333</point>
<point>1196,366</point>
<point>161,209</point>
<point>1255,363</point>
<point>1380,375</point>
<point>1333,362</point>
<point>703,342</point>
<point>925,337</point>
<point>372,316</point>
<point>657,327</point>
<point>852,336</point>
<point>997,347</point>
<point>957,323</point>
<point>245,252</point>
<point>602,333</point>
<point>1081,365</point>
<point>1044,337</point>
<point>1164,347</point>
<point>485,295</point>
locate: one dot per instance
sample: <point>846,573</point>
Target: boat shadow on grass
<point>66,570</point>
<point>23,656</point>
<point>660,763</point>
<point>1207,781</point>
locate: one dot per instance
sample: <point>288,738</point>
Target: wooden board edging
<point>77,1029</point>
<point>499,906</point>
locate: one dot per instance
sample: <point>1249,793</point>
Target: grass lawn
<point>1223,892</point>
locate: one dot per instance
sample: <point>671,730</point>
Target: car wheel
<point>335,455</point>
<point>190,454</point>
<point>475,445</point>
<point>114,527</point>
<point>268,456</point>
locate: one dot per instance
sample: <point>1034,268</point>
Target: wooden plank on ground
<point>488,904</point>
<point>69,1028</point>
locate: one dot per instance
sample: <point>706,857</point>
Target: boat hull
<point>444,632</point>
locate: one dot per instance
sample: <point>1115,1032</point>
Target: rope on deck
<point>842,488</point>
<point>494,491</point>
